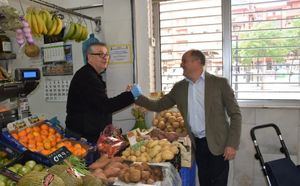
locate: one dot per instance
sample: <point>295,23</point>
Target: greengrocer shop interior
<point>268,84</point>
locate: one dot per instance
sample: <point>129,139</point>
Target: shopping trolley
<point>280,172</point>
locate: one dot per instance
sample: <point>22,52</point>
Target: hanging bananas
<point>42,22</point>
<point>75,31</point>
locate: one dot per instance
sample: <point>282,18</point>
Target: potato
<point>114,164</point>
<point>152,143</point>
<point>155,122</point>
<point>172,119</point>
<point>167,114</point>
<point>178,130</point>
<point>163,142</point>
<point>135,175</point>
<point>161,125</point>
<point>137,153</point>
<point>179,118</point>
<point>158,158</point>
<point>143,149</point>
<point>167,155</point>
<point>144,159</point>
<point>100,163</point>
<point>145,175</point>
<point>126,152</point>
<point>138,159</point>
<point>175,124</point>
<point>174,149</point>
<point>112,172</point>
<point>132,158</point>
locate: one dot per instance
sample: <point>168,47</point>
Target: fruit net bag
<point>111,141</point>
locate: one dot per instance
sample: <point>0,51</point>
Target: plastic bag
<point>86,44</point>
<point>111,141</point>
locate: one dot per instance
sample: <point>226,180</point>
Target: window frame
<point>227,60</point>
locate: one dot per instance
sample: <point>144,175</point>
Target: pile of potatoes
<point>170,121</point>
<point>154,151</point>
<point>141,173</point>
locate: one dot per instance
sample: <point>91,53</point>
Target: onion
<point>20,41</point>
<point>28,35</point>
<point>19,31</point>
<point>30,40</point>
<point>26,30</point>
<point>25,23</point>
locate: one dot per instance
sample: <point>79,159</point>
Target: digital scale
<point>27,74</point>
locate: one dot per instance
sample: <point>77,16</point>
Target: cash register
<point>25,81</point>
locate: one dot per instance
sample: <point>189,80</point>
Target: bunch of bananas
<point>43,23</point>
<point>75,31</point>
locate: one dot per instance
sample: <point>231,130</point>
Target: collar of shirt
<point>202,76</point>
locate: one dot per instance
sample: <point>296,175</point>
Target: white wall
<point>36,98</point>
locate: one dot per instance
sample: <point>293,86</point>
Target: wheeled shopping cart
<point>280,172</point>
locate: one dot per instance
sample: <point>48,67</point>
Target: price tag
<point>59,155</point>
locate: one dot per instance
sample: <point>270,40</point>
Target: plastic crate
<point>188,175</point>
<point>11,153</point>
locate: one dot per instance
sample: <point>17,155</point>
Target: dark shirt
<point>89,109</point>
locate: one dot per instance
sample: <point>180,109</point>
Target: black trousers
<point>212,170</point>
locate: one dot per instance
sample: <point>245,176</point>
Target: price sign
<point>59,155</point>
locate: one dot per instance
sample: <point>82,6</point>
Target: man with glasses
<point>89,109</point>
<point>205,102</point>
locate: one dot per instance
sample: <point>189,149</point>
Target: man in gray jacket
<point>205,102</point>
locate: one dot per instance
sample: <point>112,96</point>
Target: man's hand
<point>136,91</point>
<point>128,88</point>
<point>229,153</point>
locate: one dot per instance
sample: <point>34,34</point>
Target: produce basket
<point>19,138</point>
<point>7,154</point>
<point>19,167</point>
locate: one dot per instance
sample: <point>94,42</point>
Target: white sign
<point>120,53</point>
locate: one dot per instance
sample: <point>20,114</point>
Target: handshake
<point>135,89</point>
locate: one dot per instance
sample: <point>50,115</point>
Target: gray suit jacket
<point>220,104</point>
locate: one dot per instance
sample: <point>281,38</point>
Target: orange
<point>24,139</point>
<point>39,148</point>
<point>47,145</point>
<point>52,130</point>
<point>82,151</point>
<point>77,146</point>
<point>52,137</point>
<point>36,128</point>
<point>35,133</point>
<point>22,133</point>
<point>67,143</point>
<point>38,144</point>
<point>38,138</point>
<point>28,130</point>
<point>59,145</point>
<point>44,127</point>
<point>58,135</point>
<point>53,143</point>
<point>15,135</point>
<point>43,137</point>
<point>58,139</point>
<point>31,141</point>
<point>31,146</point>
<point>30,136</point>
<point>45,152</point>
<point>44,132</point>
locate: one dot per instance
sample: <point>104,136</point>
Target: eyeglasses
<point>102,55</point>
